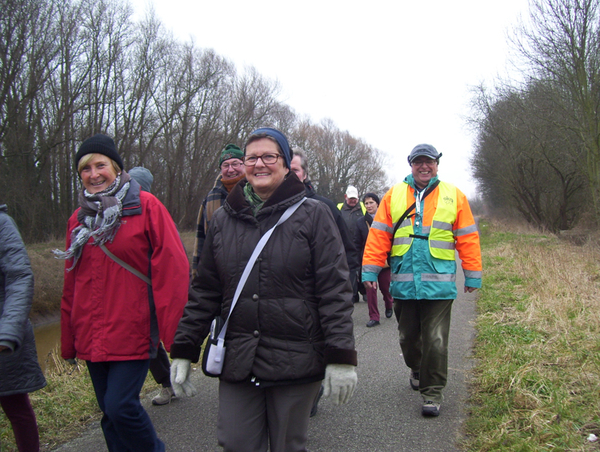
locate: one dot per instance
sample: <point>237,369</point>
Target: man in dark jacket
<point>300,167</point>
<point>352,210</point>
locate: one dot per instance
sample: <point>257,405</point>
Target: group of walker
<point>287,308</point>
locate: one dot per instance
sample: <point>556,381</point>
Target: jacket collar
<point>410,180</point>
<point>132,205</point>
<point>289,192</point>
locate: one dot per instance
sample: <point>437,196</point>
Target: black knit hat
<point>99,144</point>
<point>372,196</point>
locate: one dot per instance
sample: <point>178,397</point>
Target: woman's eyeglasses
<point>268,159</point>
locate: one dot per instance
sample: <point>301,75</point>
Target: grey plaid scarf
<point>99,217</point>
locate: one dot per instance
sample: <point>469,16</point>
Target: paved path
<point>384,414</point>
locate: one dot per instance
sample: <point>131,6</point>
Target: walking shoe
<point>388,313</point>
<point>430,409</point>
<point>365,298</point>
<point>164,396</point>
<point>371,323</point>
<point>315,406</point>
<point>414,380</point>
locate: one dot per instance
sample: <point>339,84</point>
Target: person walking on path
<point>160,367</point>
<point>371,202</point>
<point>232,171</point>
<point>420,223</point>
<point>125,288</point>
<point>292,325</point>
<point>351,210</point>
<point>20,372</point>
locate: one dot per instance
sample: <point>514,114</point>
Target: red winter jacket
<point>108,313</point>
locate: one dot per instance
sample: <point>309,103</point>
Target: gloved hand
<point>340,381</point>
<point>180,378</point>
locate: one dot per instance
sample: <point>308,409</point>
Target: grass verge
<point>537,379</point>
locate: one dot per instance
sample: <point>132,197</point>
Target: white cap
<point>352,192</point>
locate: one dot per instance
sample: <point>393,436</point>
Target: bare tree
<point>523,161</point>
<point>561,45</point>
<point>337,159</point>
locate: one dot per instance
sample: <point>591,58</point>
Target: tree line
<point>538,146</point>
<point>73,68</point>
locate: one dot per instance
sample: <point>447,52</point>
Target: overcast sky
<point>394,73</point>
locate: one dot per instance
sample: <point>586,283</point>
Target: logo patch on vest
<point>448,200</point>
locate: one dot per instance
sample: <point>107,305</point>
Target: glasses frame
<point>246,163</point>
<point>430,162</point>
<point>234,165</point>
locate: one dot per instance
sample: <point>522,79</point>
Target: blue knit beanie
<point>281,140</point>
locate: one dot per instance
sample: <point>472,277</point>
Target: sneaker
<point>164,396</point>
<point>430,408</point>
<point>372,323</point>
<point>365,298</point>
<point>388,313</point>
<point>315,406</point>
<point>414,380</point>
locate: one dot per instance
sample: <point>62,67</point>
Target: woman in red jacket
<point>124,291</point>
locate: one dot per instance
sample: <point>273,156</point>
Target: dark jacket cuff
<point>185,352</point>
<point>338,356</point>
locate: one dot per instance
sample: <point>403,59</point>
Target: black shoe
<point>371,323</point>
<point>414,380</point>
<point>430,409</point>
<point>365,298</point>
<point>315,406</point>
<point>388,313</point>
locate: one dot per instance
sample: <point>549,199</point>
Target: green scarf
<point>253,199</point>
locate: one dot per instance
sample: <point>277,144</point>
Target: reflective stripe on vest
<point>441,238</point>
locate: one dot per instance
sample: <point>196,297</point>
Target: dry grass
<point>537,382</point>
<point>48,277</point>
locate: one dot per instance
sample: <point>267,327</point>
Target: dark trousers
<point>424,327</point>
<point>19,412</point>
<point>126,425</point>
<point>383,282</point>
<point>252,418</point>
<point>160,367</point>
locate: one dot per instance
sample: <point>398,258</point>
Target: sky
<point>393,73</point>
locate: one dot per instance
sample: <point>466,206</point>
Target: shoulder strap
<point>405,214</point>
<point>259,247</point>
<point>126,266</point>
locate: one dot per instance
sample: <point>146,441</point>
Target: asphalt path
<point>383,415</point>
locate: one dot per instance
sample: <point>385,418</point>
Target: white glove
<point>340,381</point>
<point>180,378</point>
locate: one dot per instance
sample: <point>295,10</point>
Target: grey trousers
<point>424,327</point>
<point>251,417</point>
